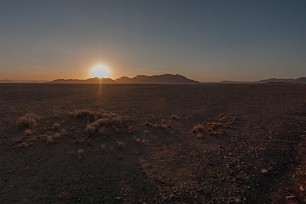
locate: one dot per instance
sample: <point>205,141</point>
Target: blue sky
<point>204,40</point>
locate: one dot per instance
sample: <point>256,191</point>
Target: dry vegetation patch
<point>17,141</point>
<point>27,121</point>
<point>227,120</point>
<point>50,139</point>
<point>82,114</point>
<point>23,141</point>
<point>163,124</point>
<point>87,127</point>
<point>214,127</point>
<point>106,124</point>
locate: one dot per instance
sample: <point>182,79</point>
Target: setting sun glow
<point>101,71</point>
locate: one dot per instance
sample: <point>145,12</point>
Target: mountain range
<point>139,79</point>
<point>6,81</point>
<point>276,80</point>
<point>155,79</point>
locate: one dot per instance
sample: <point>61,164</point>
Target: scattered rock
<point>264,171</point>
<point>118,199</point>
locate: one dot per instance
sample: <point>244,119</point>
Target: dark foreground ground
<point>151,155</point>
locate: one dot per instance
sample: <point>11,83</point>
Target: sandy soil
<point>249,145</point>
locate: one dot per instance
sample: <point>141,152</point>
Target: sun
<point>101,71</point>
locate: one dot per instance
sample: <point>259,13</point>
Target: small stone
<point>118,198</point>
<point>264,171</point>
<point>292,197</point>
<point>302,188</point>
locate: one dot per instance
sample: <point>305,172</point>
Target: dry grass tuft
<point>57,135</point>
<point>164,124</point>
<point>199,136</point>
<point>214,128</point>
<point>28,132</point>
<point>81,153</point>
<point>50,139</point>
<point>82,114</point>
<point>107,124</point>
<point>117,121</point>
<point>16,141</point>
<point>27,121</point>
<point>198,129</point>
<point>120,144</point>
<point>23,144</point>
<point>56,126</point>
<point>227,119</point>
<point>23,141</point>
<point>131,129</point>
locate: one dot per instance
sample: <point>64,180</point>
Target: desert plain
<point>197,143</point>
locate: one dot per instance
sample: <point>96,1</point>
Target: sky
<point>207,41</point>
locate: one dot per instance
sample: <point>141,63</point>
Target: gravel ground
<point>137,143</point>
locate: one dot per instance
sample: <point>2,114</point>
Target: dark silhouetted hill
<point>21,81</point>
<point>5,81</point>
<point>276,80</point>
<point>156,79</point>
<point>140,79</point>
<point>95,80</point>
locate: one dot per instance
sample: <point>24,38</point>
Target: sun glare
<point>101,71</point>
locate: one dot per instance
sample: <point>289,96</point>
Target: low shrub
<point>27,121</point>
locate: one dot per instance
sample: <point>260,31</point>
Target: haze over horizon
<point>202,40</point>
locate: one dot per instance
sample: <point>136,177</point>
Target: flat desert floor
<point>207,143</point>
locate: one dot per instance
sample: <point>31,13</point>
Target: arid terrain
<point>200,143</point>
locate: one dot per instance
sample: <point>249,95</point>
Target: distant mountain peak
<point>290,80</point>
